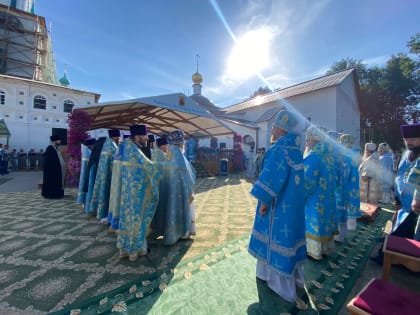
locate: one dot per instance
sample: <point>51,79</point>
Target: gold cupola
<point>197,78</point>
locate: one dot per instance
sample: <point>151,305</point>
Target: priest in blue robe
<point>180,178</point>
<point>86,149</point>
<point>139,195</point>
<point>115,192</point>
<point>406,220</point>
<point>351,192</point>
<point>159,158</point>
<point>99,204</point>
<point>278,235</point>
<point>414,179</point>
<point>320,182</point>
<point>92,170</point>
<point>386,162</point>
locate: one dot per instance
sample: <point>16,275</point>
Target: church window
<point>2,97</point>
<point>68,106</point>
<point>40,102</point>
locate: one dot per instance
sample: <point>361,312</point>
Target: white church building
<point>33,110</point>
<point>330,101</point>
<point>34,103</point>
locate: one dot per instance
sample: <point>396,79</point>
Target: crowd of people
<point>13,160</point>
<point>144,187</point>
<point>309,201</point>
<point>140,190</point>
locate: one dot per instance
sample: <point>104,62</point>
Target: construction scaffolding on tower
<point>25,47</point>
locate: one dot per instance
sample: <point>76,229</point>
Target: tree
<point>348,63</point>
<point>414,44</point>
<point>261,91</point>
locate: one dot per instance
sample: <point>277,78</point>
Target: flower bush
<point>79,123</point>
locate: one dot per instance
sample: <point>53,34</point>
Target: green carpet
<point>53,255</point>
<point>222,281</point>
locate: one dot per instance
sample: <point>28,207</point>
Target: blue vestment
<point>81,195</point>
<point>139,197</point>
<point>92,171</point>
<point>278,237</point>
<point>404,189</point>
<point>99,203</point>
<point>115,191</point>
<point>387,164</point>
<point>159,158</point>
<point>347,194</point>
<point>414,178</point>
<point>180,181</point>
<point>320,207</point>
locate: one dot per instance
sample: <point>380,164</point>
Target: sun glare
<point>250,55</point>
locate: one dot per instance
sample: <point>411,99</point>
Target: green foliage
<point>414,44</point>
<point>261,91</point>
<point>390,94</point>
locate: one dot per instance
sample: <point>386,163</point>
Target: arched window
<point>40,102</point>
<point>2,97</point>
<point>68,106</point>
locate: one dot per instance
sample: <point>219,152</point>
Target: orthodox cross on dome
<point>197,79</point>
<point>198,57</point>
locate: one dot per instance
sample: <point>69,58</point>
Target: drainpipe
<point>256,139</point>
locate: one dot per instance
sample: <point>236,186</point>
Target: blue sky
<point>138,48</point>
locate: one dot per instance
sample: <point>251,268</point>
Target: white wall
<point>30,127</point>
<point>348,112</point>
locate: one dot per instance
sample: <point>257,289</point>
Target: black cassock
<point>147,152</point>
<point>52,185</point>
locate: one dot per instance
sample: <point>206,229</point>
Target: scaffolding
<point>25,47</point>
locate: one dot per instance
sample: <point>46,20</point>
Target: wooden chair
<point>379,297</point>
<point>403,251</point>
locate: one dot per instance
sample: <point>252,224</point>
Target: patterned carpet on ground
<point>53,255</point>
<point>222,281</point>
<point>53,258</point>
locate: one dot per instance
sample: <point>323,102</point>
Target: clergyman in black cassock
<point>54,171</point>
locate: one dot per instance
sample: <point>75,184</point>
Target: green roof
<point>4,131</point>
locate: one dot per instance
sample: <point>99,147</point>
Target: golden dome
<point>197,78</point>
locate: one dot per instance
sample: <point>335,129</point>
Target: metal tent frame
<point>161,114</point>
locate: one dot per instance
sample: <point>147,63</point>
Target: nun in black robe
<point>54,171</point>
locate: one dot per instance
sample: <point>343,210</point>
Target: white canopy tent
<point>161,114</point>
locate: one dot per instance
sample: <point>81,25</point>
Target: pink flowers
<point>79,123</point>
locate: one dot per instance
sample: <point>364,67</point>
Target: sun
<point>250,55</point>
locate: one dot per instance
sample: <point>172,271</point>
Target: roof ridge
<point>292,86</point>
<point>314,79</point>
